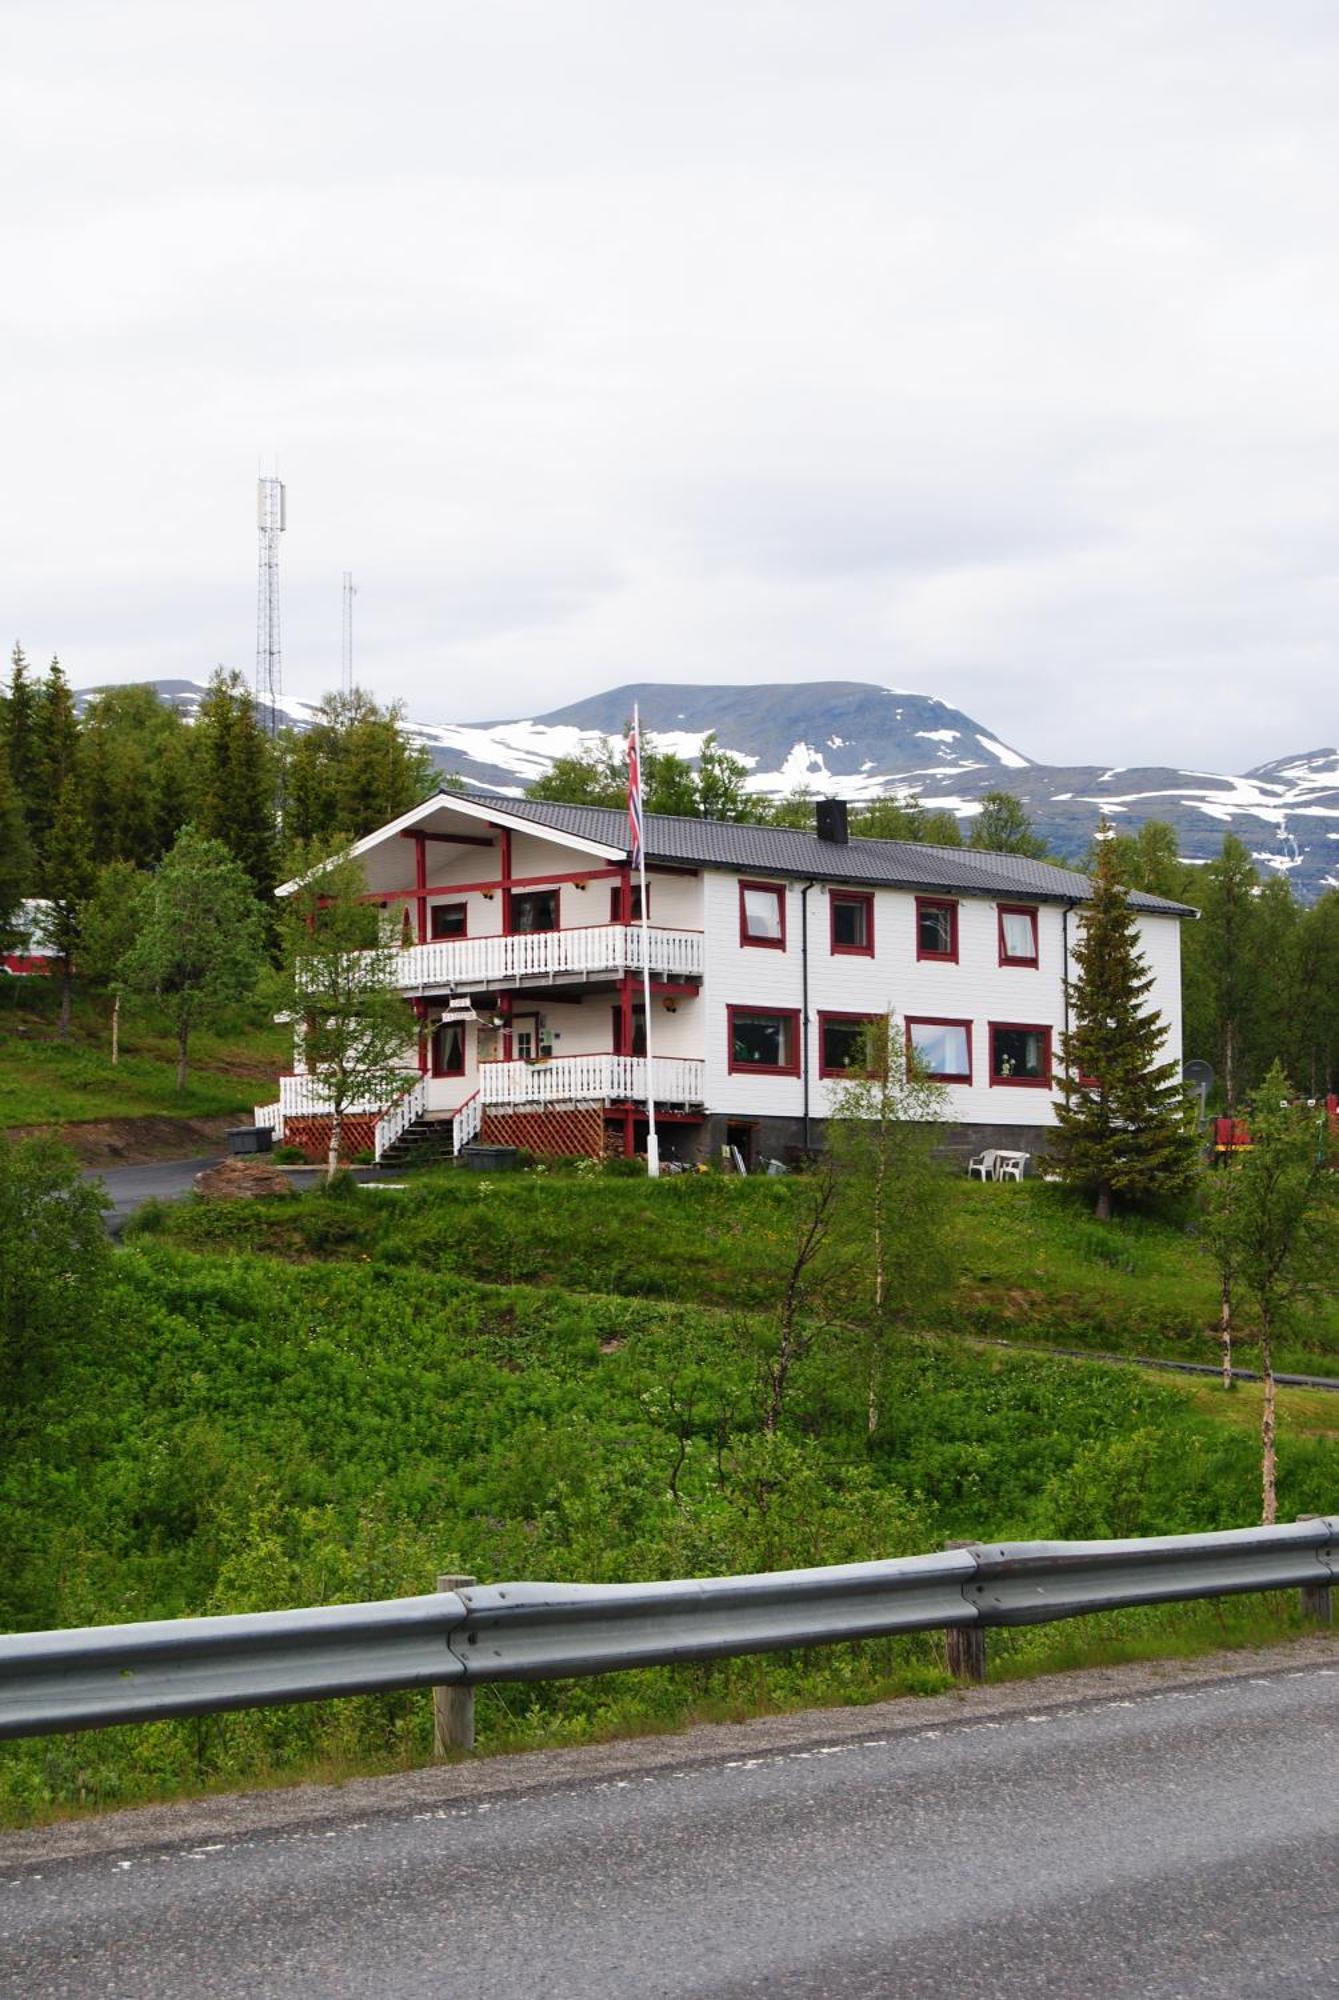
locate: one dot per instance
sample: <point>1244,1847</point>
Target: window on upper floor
<point>616,903</point>
<point>765,1040</point>
<point>1018,934</point>
<point>534,910</point>
<point>844,1044</point>
<point>942,1048</point>
<point>448,920</point>
<point>936,928</point>
<point>1020,1055</point>
<point>851,914</point>
<point>762,914</point>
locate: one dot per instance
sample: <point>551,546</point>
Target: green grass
<point>47,1082</point>
<point>335,1397</point>
<point>1034,1266</point>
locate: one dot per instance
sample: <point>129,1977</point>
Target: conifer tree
<point>1123,1127</point>
<point>67,881</point>
<point>21,735</point>
<point>1224,972</point>
<point>57,751</point>
<point>108,925</point>
<point>235,797</point>
<point>15,859</point>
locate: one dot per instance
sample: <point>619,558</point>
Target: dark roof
<point>784,850</point>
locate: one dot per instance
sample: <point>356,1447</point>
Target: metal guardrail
<point>463,1638</point>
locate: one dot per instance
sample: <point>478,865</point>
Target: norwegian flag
<point>636,828</point>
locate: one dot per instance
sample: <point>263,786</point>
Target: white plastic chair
<point>1009,1166</point>
<point>982,1168</point>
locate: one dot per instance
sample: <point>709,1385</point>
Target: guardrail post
<point>452,1707</point>
<point>966,1644</point>
<point>1315,1597</point>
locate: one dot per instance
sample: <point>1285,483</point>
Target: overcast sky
<point>984,348</point>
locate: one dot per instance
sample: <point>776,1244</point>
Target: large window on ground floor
<point>844,1043</point>
<point>1020,1054</point>
<point>764,1041</point>
<point>942,1048</point>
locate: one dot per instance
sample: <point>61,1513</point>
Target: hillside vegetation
<point>46,1081</point>
<point>335,1397</point>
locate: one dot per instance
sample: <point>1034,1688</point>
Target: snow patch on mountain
<point>1009,758</point>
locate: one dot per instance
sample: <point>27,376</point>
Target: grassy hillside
<point>336,1397</point>
<point>1032,1265</point>
<point>44,1081</point>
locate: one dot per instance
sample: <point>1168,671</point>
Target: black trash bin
<point>250,1139</point>
<point>488,1159</point>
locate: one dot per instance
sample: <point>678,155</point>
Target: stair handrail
<point>467,1122</point>
<point>408,1106</point>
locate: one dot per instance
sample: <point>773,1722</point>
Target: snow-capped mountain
<point>852,740</point>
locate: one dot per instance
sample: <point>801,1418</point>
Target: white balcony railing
<point>600,1079</point>
<point>572,954</point>
<point>307,1097</point>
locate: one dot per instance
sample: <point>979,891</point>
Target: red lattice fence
<point>574,1131</point>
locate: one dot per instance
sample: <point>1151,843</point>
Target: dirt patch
<point>135,1142</point>
<point>242,1180</point>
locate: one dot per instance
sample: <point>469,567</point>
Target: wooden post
<point>1315,1597</point>
<point>966,1644</point>
<point>452,1707</point>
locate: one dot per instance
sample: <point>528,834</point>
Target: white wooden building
<point>770,948</point>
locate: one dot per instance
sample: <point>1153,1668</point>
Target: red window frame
<point>865,898</point>
<point>777,889</point>
<point>949,903</point>
<point>616,903</point>
<point>941,1021</point>
<point>446,936</point>
<point>792,1068</point>
<point>865,1021</point>
<point>1004,910</point>
<point>1042,1082</point>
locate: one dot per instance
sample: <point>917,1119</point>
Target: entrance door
<point>448,1049</point>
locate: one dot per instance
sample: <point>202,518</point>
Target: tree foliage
<point>340,980</point>
<point>1123,1131</point>
<point>199,942</point>
<point>53,1266</point>
<point>1003,827</point>
<point>353,770</point>
<point>883,1129</point>
<point>1271,1220</point>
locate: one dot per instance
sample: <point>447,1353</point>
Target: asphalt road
<point>1175,1840</point>
<point>128,1188</point>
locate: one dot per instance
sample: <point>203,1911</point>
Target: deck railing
<point>411,1104</point>
<point>572,954</point>
<point>598,1079</point>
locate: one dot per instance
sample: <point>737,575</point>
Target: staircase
<point>426,1142</point>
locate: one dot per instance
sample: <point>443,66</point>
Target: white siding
<point>977,989</point>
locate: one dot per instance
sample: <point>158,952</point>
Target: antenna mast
<point>350,592</point>
<point>272,519</point>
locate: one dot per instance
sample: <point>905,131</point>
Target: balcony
<point>594,1079</point>
<point>599,951</point>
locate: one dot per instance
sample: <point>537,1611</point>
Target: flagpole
<point>652,1140</point>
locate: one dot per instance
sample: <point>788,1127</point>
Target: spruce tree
<point>67,881</point>
<point>1123,1129</point>
<point>21,735</point>
<point>57,751</point>
<point>236,779</point>
<point>15,860</point>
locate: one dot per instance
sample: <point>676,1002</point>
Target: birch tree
<point>1276,1230</point>
<point>884,1127</point>
<point>340,981</point>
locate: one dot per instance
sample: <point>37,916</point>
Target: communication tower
<point>350,592</point>
<point>272,519</point>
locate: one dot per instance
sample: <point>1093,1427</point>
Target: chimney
<point>830,818</point>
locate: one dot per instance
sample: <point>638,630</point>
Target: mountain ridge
<point>857,740</point>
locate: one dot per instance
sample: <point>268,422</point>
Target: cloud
<point>987,350</point>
